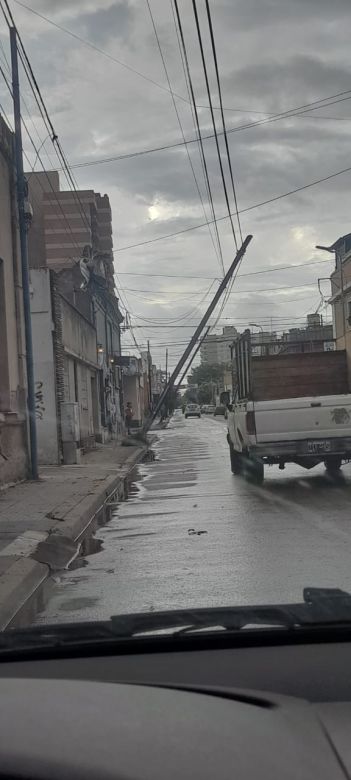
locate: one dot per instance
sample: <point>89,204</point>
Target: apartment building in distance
<point>76,319</point>
<point>216,348</point>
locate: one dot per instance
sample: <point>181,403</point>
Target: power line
<point>237,292</point>
<point>97,49</point>
<point>198,129</point>
<point>129,67</point>
<point>249,273</point>
<point>42,108</point>
<point>222,114</point>
<point>219,256</point>
<point>241,211</point>
<point>203,60</point>
<point>193,114</point>
<point>290,113</point>
<point>230,287</point>
<point>38,157</point>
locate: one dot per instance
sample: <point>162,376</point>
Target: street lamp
<point>254,325</point>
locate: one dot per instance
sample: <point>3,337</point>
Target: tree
<point>205,393</point>
<point>205,373</point>
<point>190,396</point>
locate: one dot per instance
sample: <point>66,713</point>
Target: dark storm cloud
<point>249,14</point>
<point>280,83</point>
<point>268,160</point>
<point>102,25</point>
<point>273,55</point>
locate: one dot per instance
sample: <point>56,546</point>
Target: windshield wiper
<point>321,607</point>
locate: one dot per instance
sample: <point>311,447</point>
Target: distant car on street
<point>220,410</point>
<point>192,410</point>
<point>210,409</point>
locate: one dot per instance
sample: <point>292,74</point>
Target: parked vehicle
<point>289,408</point>
<point>192,410</point>
<point>220,410</point>
<point>210,409</point>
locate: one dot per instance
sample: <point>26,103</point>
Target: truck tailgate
<point>314,417</point>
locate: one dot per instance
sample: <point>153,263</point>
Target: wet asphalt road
<point>257,544</point>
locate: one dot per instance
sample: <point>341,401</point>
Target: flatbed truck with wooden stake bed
<point>292,407</point>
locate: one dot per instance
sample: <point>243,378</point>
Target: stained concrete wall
<point>45,389</point>
<point>80,348</point>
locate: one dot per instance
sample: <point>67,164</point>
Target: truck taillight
<point>250,423</point>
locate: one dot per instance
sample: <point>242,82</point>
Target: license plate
<point>320,445</point>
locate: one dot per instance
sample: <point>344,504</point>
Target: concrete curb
<point>24,579</point>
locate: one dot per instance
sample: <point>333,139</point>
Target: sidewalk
<point>42,523</point>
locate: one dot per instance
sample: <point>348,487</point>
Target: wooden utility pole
<point>198,331</point>
<point>21,198</point>
<point>149,374</point>
<point>189,364</point>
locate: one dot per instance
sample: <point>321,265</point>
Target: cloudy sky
<point>273,56</point>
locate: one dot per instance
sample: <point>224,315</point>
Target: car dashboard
<point>190,709</point>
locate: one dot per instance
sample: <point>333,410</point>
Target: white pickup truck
<point>272,422</point>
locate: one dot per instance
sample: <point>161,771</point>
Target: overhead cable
<point>204,66</point>
<point>241,211</point>
<point>218,251</point>
<point>214,52</point>
<point>199,133</point>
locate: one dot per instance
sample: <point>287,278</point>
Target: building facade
<point>341,295</point>
<point>13,425</point>
<point>136,388</point>
<point>71,260</point>
<point>216,349</point>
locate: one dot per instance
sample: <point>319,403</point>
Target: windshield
<point>175,306</point>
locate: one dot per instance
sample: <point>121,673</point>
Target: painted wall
<point>80,369</point>
<point>44,370</point>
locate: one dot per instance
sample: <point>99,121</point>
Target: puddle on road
<point>79,603</point>
<point>94,544</point>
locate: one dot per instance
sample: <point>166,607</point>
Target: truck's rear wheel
<point>235,460</point>
<point>254,470</point>
<point>333,464</point>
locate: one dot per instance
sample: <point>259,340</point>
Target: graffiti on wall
<point>39,401</point>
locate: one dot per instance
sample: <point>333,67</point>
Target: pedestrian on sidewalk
<point>129,414</point>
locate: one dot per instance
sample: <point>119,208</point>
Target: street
<point>192,534</point>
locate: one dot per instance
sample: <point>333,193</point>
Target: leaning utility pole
<point>192,358</point>
<point>21,196</point>
<point>198,331</point>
